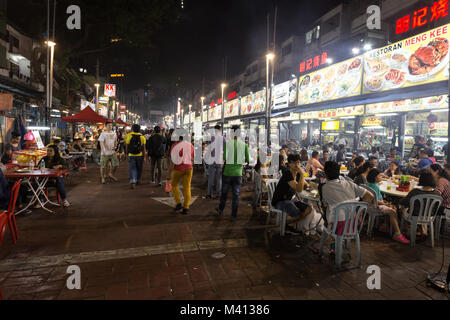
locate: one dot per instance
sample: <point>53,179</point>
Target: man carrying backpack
<point>135,146</point>
<point>156,148</point>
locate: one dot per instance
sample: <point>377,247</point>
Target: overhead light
<point>439,110</point>
<point>39,128</point>
<point>387,115</point>
<point>50,43</point>
<point>351,132</point>
<point>81,70</point>
<point>351,117</point>
<point>440,139</point>
<point>355,50</point>
<point>411,122</point>
<point>294,76</point>
<point>329,61</point>
<point>367,47</point>
<point>55,110</point>
<point>374,127</point>
<point>28,120</point>
<point>34,106</point>
<point>296,122</point>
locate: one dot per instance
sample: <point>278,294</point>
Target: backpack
<point>156,146</point>
<point>135,146</point>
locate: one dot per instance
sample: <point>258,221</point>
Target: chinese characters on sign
<point>110,90</point>
<point>315,62</point>
<point>421,17</point>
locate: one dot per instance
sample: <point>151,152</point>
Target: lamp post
<point>190,117</point>
<point>51,46</point>
<point>269,58</point>
<point>97,88</point>
<point>223,110</point>
<point>201,107</point>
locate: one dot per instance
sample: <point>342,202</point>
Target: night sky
<point>212,30</point>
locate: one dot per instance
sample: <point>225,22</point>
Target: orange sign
<point>6,101</point>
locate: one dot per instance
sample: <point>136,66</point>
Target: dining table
<point>390,188</point>
<point>36,181</point>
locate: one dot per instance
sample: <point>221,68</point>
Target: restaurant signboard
<point>371,122</point>
<point>429,103</point>
<point>247,105</point>
<point>205,116</point>
<point>333,113</point>
<point>215,113</point>
<point>259,102</point>
<point>330,125</point>
<point>341,80</point>
<point>285,95</point>
<point>438,128</point>
<point>414,61</point>
<point>232,108</point>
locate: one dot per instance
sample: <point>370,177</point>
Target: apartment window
<point>286,50</point>
<point>331,24</point>
<point>314,34</point>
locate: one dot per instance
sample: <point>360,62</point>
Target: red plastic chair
<point>11,217</point>
<point>3,223</point>
<point>57,195</point>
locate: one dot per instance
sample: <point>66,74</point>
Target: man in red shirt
<point>182,168</point>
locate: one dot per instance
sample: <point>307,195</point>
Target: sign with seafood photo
<point>414,61</point>
<point>429,103</point>
<point>232,108</point>
<point>247,105</point>
<point>338,81</point>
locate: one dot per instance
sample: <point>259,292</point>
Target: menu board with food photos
<point>247,105</point>
<point>259,101</point>
<point>284,95</point>
<point>338,81</point>
<point>232,108</point>
<point>414,61</point>
<point>429,103</point>
<point>215,113</point>
<point>205,116</point>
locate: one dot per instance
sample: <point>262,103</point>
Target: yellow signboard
<point>371,122</point>
<point>330,125</point>
<point>414,61</point>
<point>333,113</point>
<point>338,81</point>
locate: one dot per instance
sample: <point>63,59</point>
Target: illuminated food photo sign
<point>417,60</point>
<point>247,105</point>
<point>232,108</point>
<point>285,95</point>
<point>338,81</point>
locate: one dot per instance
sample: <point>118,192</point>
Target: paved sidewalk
<point>130,246</point>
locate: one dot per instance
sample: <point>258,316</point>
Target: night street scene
<point>223,159</point>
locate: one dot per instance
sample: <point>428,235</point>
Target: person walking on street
<point>135,145</point>
<point>108,146</point>
<point>216,167</point>
<point>156,150</point>
<point>232,175</point>
<point>182,158</point>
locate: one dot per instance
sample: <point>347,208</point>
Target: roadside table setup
<point>390,188</point>
<point>36,180</point>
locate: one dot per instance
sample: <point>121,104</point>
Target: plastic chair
<point>10,212</point>
<point>374,212</point>
<point>353,224</point>
<point>3,223</point>
<point>84,165</point>
<point>281,216</point>
<point>58,196</point>
<point>429,206</point>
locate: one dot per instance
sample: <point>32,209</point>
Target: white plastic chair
<point>429,206</point>
<point>281,216</point>
<point>374,212</point>
<point>353,224</point>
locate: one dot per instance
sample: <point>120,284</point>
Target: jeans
<point>187,179</point>
<point>235,184</point>
<point>292,208</point>
<point>156,162</point>
<point>214,171</point>
<point>135,169</point>
<point>61,188</point>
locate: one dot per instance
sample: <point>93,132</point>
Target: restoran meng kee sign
<point>414,61</point>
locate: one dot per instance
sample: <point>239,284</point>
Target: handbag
<point>168,186</point>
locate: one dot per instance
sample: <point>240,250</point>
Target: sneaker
<point>66,204</point>
<point>384,229</point>
<point>103,181</point>
<point>185,211</point>
<point>401,238</point>
<point>178,207</point>
<point>133,185</point>
<point>292,231</point>
<point>152,181</point>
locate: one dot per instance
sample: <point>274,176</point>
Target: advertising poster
<point>38,139</point>
<point>232,108</point>
<point>414,61</point>
<point>341,80</point>
<point>247,105</point>
<point>285,95</point>
<point>110,90</point>
<point>438,129</point>
<point>259,102</point>
<point>429,103</point>
<point>215,113</point>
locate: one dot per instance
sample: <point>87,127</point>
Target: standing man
<point>156,149</point>
<point>135,143</point>
<point>182,157</point>
<point>234,154</point>
<point>216,167</point>
<point>108,146</point>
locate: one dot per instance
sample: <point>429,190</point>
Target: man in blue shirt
<point>425,162</point>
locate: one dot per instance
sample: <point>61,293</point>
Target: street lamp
<point>51,45</point>
<point>190,117</point>
<point>201,107</point>
<point>355,51</point>
<point>97,87</point>
<point>223,85</point>
<point>269,57</point>
<point>367,47</point>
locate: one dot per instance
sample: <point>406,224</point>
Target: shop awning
<point>87,115</point>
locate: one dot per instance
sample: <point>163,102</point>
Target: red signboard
<point>232,95</point>
<point>315,62</point>
<point>423,16</point>
<point>110,90</point>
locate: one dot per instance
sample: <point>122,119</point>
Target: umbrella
<point>87,115</point>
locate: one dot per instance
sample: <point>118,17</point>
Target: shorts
<point>122,148</point>
<point>292,208</point>
<point>104,160</point>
